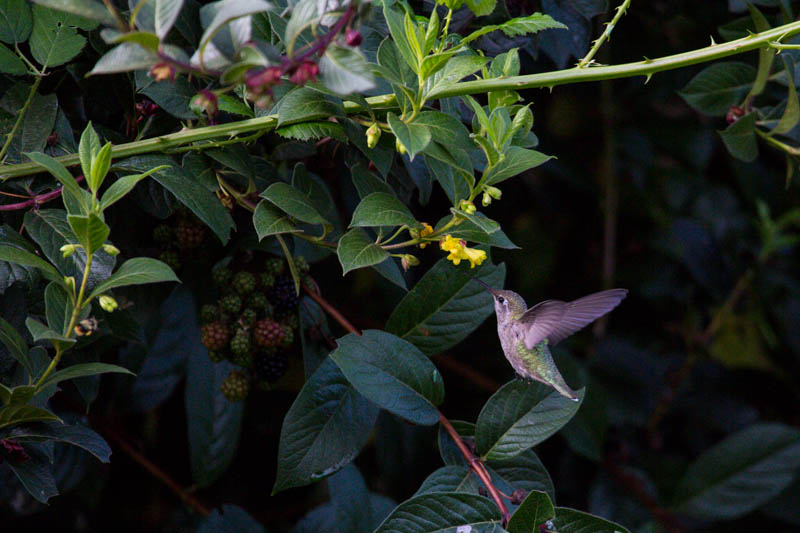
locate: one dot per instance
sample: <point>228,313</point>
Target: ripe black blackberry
<point>231,303</point>
<point>189,234</point>
<point>209,313</point>
<point>236,386</point>
<point>221,276</point>
<point>283,296</point>
<point>274,266</point>
<point>271,367</point>
<point>214,336</point>
<point>268,333</point>
<point>244,283</point>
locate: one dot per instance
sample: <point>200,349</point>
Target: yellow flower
<point>458,251</point>
<point>426,230</point>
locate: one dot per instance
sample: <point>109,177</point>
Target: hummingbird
<point>526,333</point>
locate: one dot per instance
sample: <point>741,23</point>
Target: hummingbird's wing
<point>555,320</point>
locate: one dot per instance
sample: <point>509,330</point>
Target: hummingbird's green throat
<point>526,333</point>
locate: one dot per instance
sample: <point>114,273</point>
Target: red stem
<point>36,200</point>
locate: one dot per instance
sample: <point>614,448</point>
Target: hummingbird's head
<point>508,305</point>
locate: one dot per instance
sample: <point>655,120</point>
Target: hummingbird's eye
<point>501,299</point>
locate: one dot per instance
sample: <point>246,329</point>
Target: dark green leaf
<point>90,230</point>
<point>306,131</point>
<point>232,519</point>
<point>791,114</point>
<point>484,224</point>
<point>572,521</point>
<point>88,9</point>
<point>535,510</point>
<point>524,471</point>
<point>173,96</point>
<point>473,233</point>
<point>742,472</point>
<point>31,135</point>
<point>521,415</point>
<point>121,187</point>
<point>84,369</point>
<point>327,425</point>
<point>60,172</point>
<point>226,13</point>
<point>344,70</point>
<point>367,183</point>
<point>58,307</point>
<point>136,271</point>
<point>123,58</point>
<point>294,203</point>
<point>54,39</point>
<point>88,147</point>
<point>304,13</point>
<point>456,69</point>
<point>445,306</point>
<point>77,435</point>
<point>15,344</point>
<point>192,194</point>
<point>455,184</point>
<point>450,478</point>
<point>16,21</point>
<point>519,26</point>
<point>517,160</point>
<point>445,129</point>
<point>382,209</point>
<point>393,373</point>
<point>167,12</point>
<point>40,332</point>
<point>443,511</point>
<point>10,63</point>
<point>357,250</point>
<point>401,43</point>
<point>305,104</point>
<point>269,220</point>
<point>740,138</point>
<point>415,137</point>
<point>35,473</point>
<point>718,87</point>
<point>11,415</point>
<point>19,256</point>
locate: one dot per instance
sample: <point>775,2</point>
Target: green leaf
<point>791,114</point>
<point>40,332</point>
<point>36,126</point>
<point>446,129</point>
<point>100,164</point>
<point>481,8</point>
<point>517,160</point>
<point>136,271</point>
<point>21,414</point>
<point>123,58</point>
<point>35,473</point>
<point>393,67</point>
<point>382,209</point>
<point>415,137</point>
<point>123,186</point>
<point>445,306</point>
<point>84,369</point>
<point>174,96</point>
<point>344,70</point>
<point>304,13</point>
<point>269,220</point>
<point>741,473</point>
<point>54,40</point>
<point>91,231</point>
<point>524,471</point>
<point>77,435</point>
<point>472,232</point>
<point>58,307</point>
<point>327,425</point>
<point>519,26</point>
<point>167,12</point>
<point>214,422</point>
<point>481,221</point>
<point>60,172</point>
<point>357,250</point>
<point>740,138</point>
<point>535,510</point>
<point>88,9</point>
<point>192,194</point>
<point>366,182</point>
<point>307,131</point>
<point>293,202</point>
<point>10,63</point>
<point>305,104</point>
<point>450,478</point>
<point>88,147</point>
<point>455,183</point>
<point>718,87</point>
<point>443,511</point>
<point>393,373</point>
<point>765,55</point>
<point>521,415</point>
<point>227,12</point>
<point>18,256</point>
<point>571,521</point>
<point>456,69</point>
<point>396,24</point>
<point>16,21</point>
<point>15,344</point>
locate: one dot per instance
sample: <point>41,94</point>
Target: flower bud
<point>162,71</point>
<point>353,37</point>
<point>373,135</point>
<point>486,199</point>
<point>494,192</point>
<point>111,250</point>
<point>467,207</point>
<point>408,261</point>
<point>205,102</point>
<point>68,249</point>
<point>70,281</point>
<point>399,147</point>
<point>108,303</point>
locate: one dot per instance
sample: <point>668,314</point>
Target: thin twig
<point>20,116</point>
<point>36,200</point>
<point>621,9</point>
<point>335,314</point>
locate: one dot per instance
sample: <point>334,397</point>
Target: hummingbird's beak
<point>485,285</point>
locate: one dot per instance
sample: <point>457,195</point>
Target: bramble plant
<point>227,115</point>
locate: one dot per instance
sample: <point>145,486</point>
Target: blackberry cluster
<point>254,323</point>
<point>179,238</point>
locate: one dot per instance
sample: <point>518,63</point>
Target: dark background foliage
<point>684,215</point>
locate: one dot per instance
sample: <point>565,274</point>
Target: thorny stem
<point>21,116</point>
<point>621,9</point>
<point>474,463</point>
<point>646,68</point>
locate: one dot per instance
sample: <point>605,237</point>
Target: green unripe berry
<point>244,283</point>
<point>209,313</point>
<point>221,276</point>
<point>231,303</point>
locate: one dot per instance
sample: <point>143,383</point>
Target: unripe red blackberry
<point>268,333</point>
<point>209,313</point>
<point>266,280</point>
<point>189,234</point>
<point>301,264</point>
<point>162,234</point>
<point>283,295</point>
<point>221,276</point>
<point>231,303</point>
<point>274,265</point>
<point>216,357</point>
<point>244,283</point>
<point>288,336</point>
<point>214,336</point>
<point>271,367</point>
<point>236,386</point>
<point>248,317</point>
<point>171,258</point>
